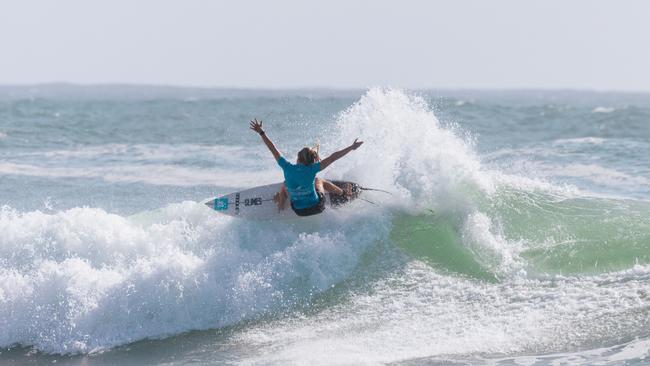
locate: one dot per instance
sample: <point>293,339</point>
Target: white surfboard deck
<point>259,203</point>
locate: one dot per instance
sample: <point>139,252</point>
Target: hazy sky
<point>587,44</point>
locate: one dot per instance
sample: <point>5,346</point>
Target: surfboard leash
<point>374,189</point>
<point>363,199</point>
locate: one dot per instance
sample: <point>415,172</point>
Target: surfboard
<point>260,202</point>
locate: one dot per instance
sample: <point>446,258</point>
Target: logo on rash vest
<point>221,204</point>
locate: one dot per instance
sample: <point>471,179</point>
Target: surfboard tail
<point>353,189</point>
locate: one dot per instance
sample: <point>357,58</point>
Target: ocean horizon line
<point>61,85</point>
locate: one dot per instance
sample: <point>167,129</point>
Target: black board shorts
<point>313,210</point>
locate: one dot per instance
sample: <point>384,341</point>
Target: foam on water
<point>82,280</point>
<point>581,140</point>
<point>418,314</point>
<point>600,109</point>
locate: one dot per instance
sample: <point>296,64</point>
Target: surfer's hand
<point>356,144</point>
<point>257,126</point>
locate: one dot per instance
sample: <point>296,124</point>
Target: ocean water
<point>517,231</point>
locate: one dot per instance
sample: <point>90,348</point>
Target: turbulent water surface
<point>517,232</point>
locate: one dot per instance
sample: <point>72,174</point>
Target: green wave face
<point>550,234</point>
<point>436,241</point>
<point>575,236</point>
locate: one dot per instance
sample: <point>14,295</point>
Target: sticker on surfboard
<point>220,204</point>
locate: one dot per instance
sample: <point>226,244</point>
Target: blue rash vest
<point>300,182</point>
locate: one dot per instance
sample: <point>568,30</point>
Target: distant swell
<point>157,174</point>
<point>154,164</point>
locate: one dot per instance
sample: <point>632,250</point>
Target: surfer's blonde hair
<point>308,155</point>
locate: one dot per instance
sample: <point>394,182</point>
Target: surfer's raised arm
<point>339,154</point>
<point>257,127</point>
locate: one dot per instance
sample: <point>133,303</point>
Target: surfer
<point>307,192</point>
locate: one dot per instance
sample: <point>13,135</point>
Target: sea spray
<point>429,168</point>
<point>407,149</point>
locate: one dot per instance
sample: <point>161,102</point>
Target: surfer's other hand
<point>356,144</point>
<point>256,126</point>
